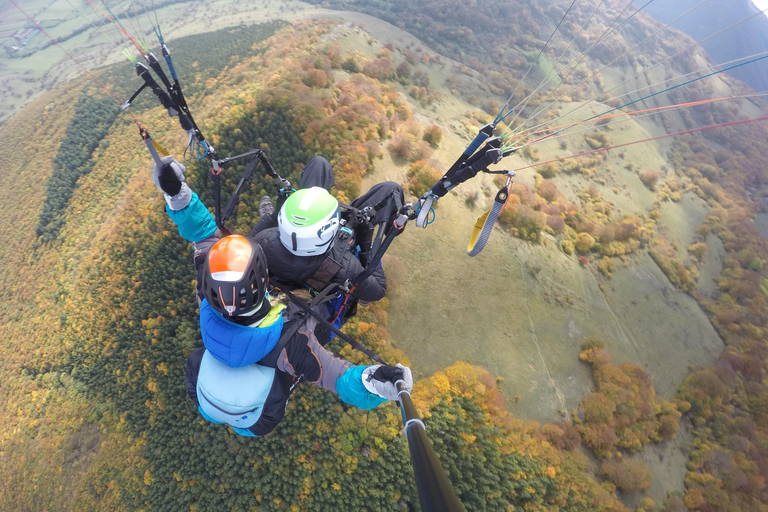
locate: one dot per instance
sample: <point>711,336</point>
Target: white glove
<point>170,178</point>
<point>381,380</point>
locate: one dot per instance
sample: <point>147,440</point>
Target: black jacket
<point>289,268</point>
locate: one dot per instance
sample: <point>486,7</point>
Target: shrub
<point>548,171</point>
<point>675,269</point>
<point>606,234</point>
<point>433,135</point>
<point>627,475</point>
<point>598,140</point>
<point>380,69</point>
<point>556,224</point>
<point>547,190</point>
<point>527,222</point>
<point>471,199</point>
<point>561,435</point>
<point>422,175</point>
<point>698,250</point>
<point>350,65</point>
<point>373,149</point>
<point>422,151</point>
<point>598,408</point>
<point>584,242</point>
<point>317,79</point>
<point>401,146</point>
<point>403,71</point>
<point>567,246</point>
<point>596,356</point>
<point>606,266</point>
<point>592,342</point>
<point>649,179</point>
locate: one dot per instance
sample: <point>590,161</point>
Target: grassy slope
<point>493,311</point>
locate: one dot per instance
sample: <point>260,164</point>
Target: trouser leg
<point>317,173</point>
<point>378,193</point>
<point>388,197</point>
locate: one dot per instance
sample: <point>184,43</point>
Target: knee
<point>390,187</point>
<point>318,161</point>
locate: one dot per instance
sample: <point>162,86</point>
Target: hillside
<point>647,257</point>
<point>751,38</point>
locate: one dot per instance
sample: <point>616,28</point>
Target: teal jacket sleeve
<point>352,391</point>
<point>195,222</point>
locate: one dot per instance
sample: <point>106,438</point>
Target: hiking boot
<point>266,207</point>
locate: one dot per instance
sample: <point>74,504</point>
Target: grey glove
<point>381,380</point>
<point>170,178</point>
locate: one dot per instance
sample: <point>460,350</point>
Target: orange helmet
<point>235,278</point>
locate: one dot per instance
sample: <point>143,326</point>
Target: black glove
<point>168,176</point>
<point>169,180</point>
<point>388,374</point>
<point>381,379</point>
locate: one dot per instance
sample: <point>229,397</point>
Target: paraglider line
<point>499,117</point>
<point>137,45</point>
<point>650,96</point>
<point>136,121</point>
<point>602,150</point>
<point>655,109</point>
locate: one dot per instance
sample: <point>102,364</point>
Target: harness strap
<point>481,232</point>
<point>155,149</point>
<point>165,100</point>
<point>271,358</point>
<point>307,309</point>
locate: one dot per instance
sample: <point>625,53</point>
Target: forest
<point>100,314</point>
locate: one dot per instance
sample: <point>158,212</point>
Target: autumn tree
<point>628,475</point>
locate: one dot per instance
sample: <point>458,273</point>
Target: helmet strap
<point>255,318</point>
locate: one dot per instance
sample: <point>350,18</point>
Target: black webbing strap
<point>158,69</point>
<point>487,155</point>
<point>484,132</point>
<point>271,358</point>
<point>186,122</point>
<point>135,95</point>
<point>397,227</point>
<point>165,100</point>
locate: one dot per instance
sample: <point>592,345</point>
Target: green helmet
<point>308,221</point>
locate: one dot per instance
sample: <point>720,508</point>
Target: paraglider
<point>256,348</point>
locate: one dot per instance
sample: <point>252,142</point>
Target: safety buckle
<point>400,221</point>
<point>510,175</point>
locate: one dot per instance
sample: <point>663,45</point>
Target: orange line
<point>689,104</point>
<point>137,45</point>
<point>732,123</point>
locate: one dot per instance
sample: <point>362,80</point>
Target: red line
<point>689,104</point>
<point>137,45</point>
<point>76,62</point>
<point>765,118</point>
